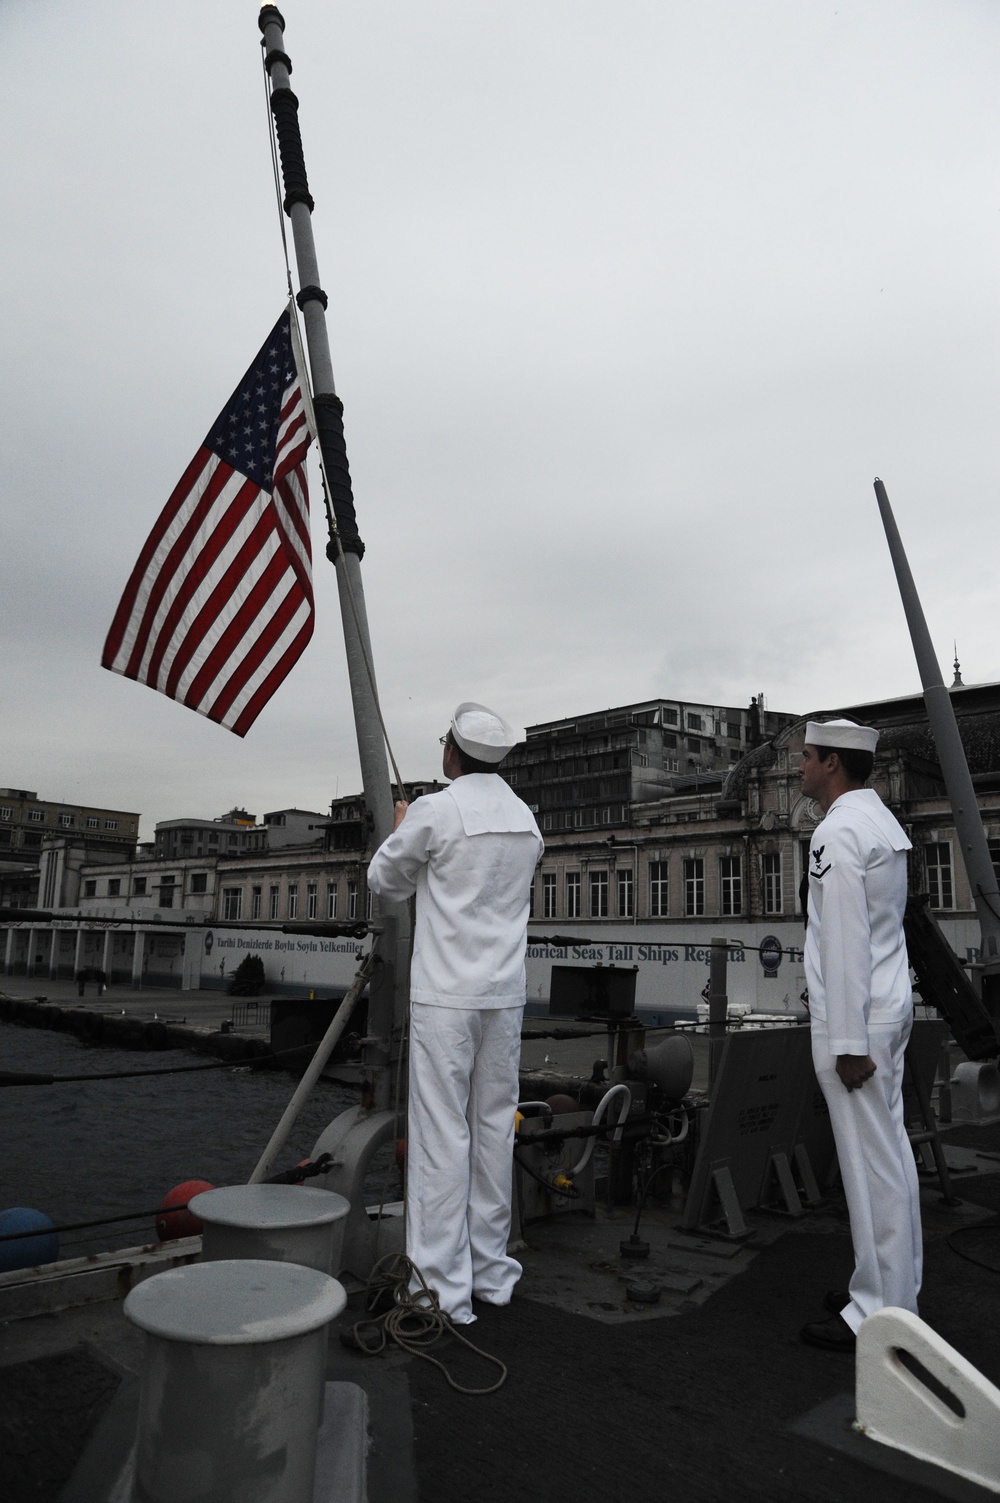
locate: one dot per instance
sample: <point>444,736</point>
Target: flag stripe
<point>215,603</point>
<point>219,606</point>
<point>277,674</point>
<point>194,560</point>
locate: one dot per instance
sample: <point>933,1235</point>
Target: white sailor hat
<point>482,733</point>
<point>839,734</point>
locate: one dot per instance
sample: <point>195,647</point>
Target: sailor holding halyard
<point>469,853</point>
<point>861,1012</point>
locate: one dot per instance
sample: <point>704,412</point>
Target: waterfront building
<point>722,852</point>
<point>599,769</point>
<point>26,820</point>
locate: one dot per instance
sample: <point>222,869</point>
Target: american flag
<point>220,605</point>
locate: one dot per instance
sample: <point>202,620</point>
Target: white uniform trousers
<point>459,1156</point>
<point>879,1173</point>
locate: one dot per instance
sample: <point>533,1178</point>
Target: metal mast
<point>951,753</point>
<point>388,986</point>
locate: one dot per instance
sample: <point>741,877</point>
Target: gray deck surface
<point>707,1396</point>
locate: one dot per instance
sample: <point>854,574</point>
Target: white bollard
<point>231,1386</point>
<point>283,1223</point>
<point>916,1393</point>
<point>975,1091</point>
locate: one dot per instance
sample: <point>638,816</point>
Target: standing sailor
<point>469,853</point>
<point>861,1012</point>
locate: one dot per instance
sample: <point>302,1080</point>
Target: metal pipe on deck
<point>951,754</point>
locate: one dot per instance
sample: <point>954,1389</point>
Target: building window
<point>994,846</point>
<point>352,899</point>
<point>531,899</point>
<point>199,882</point>
<point>67,821</point>
<point>293,899</point>
<point>572,894</point>
<point>90,889</point>
<point>138,887</point>
<point>598,894</point>
<point>111,824</point>
<point>32,839</point>
<point>548,895</point>
<point>730,885</point>
<point>256,894</point>
<point>694,723</point>
<point>6,812</point>
<point>232,902</point>
<point>939,883</point>
<point>546,821</point>
<point>92,823</point>
<point>626,901</point>
<point>36,816</point>
<point>311,899</point>
<point>694,887</point>
<point>658,893</point>
<point>273,899</point>
<point>771,870</point>
<point>368,906</point>
<point>331,900</point>
<point>114,887</point>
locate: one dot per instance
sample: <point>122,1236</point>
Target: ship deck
<point>706,1394</point>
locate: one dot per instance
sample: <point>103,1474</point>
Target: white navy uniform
<point>860,1002</point>
<point>469,853</point>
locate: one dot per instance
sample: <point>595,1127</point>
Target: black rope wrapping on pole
<point>330,434</point>
<point>285,109</point>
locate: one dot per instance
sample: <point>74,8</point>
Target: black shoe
<point>836,1300</point>
<point>833,1335</point>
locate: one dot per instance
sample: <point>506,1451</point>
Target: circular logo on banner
<point>770,952</point>
<point>209,941</point>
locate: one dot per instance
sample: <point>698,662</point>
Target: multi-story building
<point>721,853</point>
<point>599,769</point>
<point>26,820</point>
<point>149,918</point>
<point>230,834</point>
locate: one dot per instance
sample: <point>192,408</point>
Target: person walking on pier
<point>469,853</point>
<point>861,1012</point>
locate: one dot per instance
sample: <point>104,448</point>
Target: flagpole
<point>388,988</point>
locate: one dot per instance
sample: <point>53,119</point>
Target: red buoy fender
<point>171,1224</point>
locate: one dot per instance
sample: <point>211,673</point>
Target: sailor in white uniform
<point>861,1011</point>
<point>469,853</point>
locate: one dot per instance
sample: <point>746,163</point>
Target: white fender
<point>957,1427</point>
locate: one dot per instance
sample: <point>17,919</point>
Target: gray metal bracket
<point>353,1139</point>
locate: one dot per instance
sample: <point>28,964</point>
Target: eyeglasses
<point>443,740</point>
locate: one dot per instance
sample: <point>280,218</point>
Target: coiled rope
<point>413,1321</point>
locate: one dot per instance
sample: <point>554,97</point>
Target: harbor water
<point>89,1150</point>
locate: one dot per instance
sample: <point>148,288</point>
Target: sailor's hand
<point>399,813</point>
<point>855,1069</point>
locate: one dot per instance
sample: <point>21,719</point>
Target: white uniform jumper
<point>860,1002</point>
<point>469,853</point>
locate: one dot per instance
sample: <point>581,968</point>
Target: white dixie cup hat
<point>482,733</point>
<point>844,734</point>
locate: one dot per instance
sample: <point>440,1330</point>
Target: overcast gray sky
<point>629,304</point>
